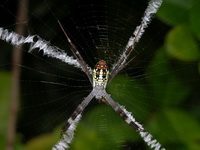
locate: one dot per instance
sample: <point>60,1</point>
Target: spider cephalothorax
<point>100,74</point>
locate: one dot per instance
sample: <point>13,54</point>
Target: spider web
<point>51,89</point>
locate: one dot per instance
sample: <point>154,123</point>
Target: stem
<point>17,52</point>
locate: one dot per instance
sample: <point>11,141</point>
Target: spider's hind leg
<point>70,121</point>
<point>67,132</point>
<point>130,120</point>
<point>76,113</point>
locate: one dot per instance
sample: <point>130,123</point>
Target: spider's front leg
<point>78,56</point>
<point>152,8</point>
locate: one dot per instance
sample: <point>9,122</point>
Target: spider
<point>99,78</point>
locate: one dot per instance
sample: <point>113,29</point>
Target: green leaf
<point>181,44</point>
<point>42,142</point>
<point>183,3</point>
<point>167,88</point>
<point>194,19</point>
<point>199,67</point>
<point>183,126</point>
<point>174,12</point>
<point>5,96</point>
<point>132,94</point>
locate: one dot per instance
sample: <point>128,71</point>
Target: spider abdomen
<point>100,74</point>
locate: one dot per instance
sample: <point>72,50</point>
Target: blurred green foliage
<point>182,45</point>
<point>5,96</point>
<point>5,89</point>
<point>181,42</point>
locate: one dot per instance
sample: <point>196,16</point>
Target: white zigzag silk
<point>36,42</point>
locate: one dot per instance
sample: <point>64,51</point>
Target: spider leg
<point>67,133</point>
<point>152,8</point>
<point>78,56</point>
<point>77,112</point>
<point>147,137</point>
<point>123,113</point>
